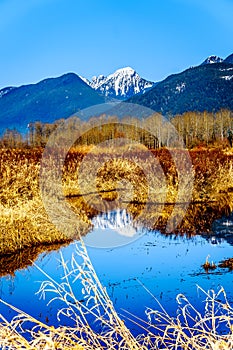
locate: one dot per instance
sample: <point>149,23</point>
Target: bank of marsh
<point>25,223</point>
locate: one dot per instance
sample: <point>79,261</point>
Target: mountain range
<point>208,86</point>
<point>61,97</point>
<point>46,101</point>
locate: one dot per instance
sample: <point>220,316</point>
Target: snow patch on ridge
<point>180,87</point>
<point>227,77</point>
<point>6,90</point>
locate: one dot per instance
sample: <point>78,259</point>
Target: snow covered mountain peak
<point>212,59</point>
<point>96,81</point>
<point>122,84</point>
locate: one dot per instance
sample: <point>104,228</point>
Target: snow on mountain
<point>212,59</point>
<point>180,87</point>
<point>85,80</point>
<point>122,84</point>
<point>97,81</point>
<point>5,91</point>
<point>227,77</point>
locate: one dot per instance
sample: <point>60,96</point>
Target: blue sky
<point>46,38</point>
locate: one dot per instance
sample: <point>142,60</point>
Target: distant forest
<point>194,129</point>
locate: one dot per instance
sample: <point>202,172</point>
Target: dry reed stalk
<point>190,329</point>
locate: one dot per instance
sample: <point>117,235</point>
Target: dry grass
<point>24,222</point>
<point>207,266</point>
<point>189,329</point>
<point>126,180</point>
<point>227,263</point>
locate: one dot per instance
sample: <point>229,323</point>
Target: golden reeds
<point>25,223</point>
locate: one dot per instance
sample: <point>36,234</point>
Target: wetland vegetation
<point>24,222</point>
<point>26,229</point>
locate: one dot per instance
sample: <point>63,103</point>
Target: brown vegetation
<point>25,227</point>
<point>227,263</point>
<point>207,266</point>
<point>24,222</point>
<point>122,177</point>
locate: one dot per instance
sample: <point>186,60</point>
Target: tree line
<point>193,128</point>
<point>204,128</point>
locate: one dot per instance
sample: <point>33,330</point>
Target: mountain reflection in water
<point>124,225</point>
<point>165,264</point>
<point>116,219</point>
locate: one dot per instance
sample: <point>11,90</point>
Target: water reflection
<point>114,220</point>
<point>223,230</point>
<point>121,226</point>
<point>113,229</point>
<point>165,265</point>
<point>24,258</point>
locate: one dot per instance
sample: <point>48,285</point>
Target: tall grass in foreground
<point>189,329</point>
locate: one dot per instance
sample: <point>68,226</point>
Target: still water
<point>135,274</point>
